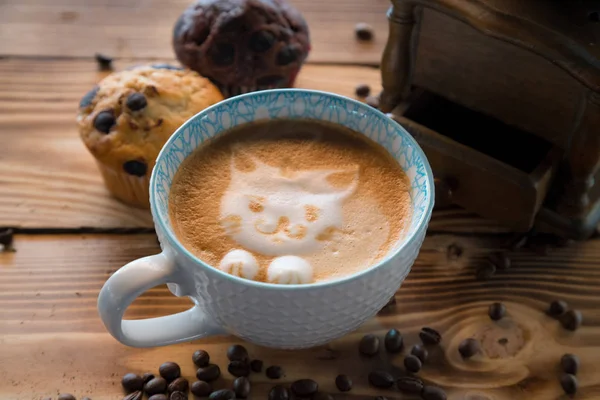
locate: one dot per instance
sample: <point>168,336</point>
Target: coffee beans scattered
<point>569,383</point>
<point>132,382</point>
<point>256,365</point>
<point>433,393</point>
<point>178,396</point>
<point>343,383</point>
<point>274,372</point>
<point>430,336</point>
<point>237,353</point>
<point>241,387</point>
<point>304,387</point>
<point>362,90</point>
<point>420,352</point>
<point>104,121</point>
<point>208,373</point>
<point>569,363</point>
<point>369,345</point>
<point>571,320</point>
<point>381,379</point>
<point>136,101</point>
<point>223,394</point>
<point>170,371</point>
<point>201,358</point>
<point>160,396</point>
<point>409,384</point>
<point>179,385</point>
<point>104,62</point>
<point>138,395</point>
<point>393,341</point>
<point>557,308</point>
<point>201,389</point>
<point>147,377</point>
<point>500,260</point>
<point>66,396</point>
<point>497,311</point>
<point>239,368</point>
<point>412,364</point>
<point>279,392</point>
<point>363,31</point>
<point>485,271</point>
<point>468,347</point>
<point>155,386</point>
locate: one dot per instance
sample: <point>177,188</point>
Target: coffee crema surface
<point>290,201</point>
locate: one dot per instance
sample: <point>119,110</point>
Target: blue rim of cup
<point>407,241</point>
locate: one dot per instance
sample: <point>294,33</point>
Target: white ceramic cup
<point>281,316</point>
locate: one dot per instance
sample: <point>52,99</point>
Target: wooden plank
<point>52,339</point>
<point>140,29</point>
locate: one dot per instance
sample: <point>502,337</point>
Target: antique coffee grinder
<point>504,97</point>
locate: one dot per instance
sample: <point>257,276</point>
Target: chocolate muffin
<point>242,45</point>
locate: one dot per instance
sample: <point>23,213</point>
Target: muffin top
<point>126,119</point>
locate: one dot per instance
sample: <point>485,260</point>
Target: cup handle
<point>129,282</point>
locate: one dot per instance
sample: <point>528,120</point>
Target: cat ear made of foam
<point>316,182</point>
<point>238,155</point>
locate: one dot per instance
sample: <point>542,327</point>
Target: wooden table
<point>71,235</point>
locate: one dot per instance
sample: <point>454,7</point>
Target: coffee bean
<point>279,393</point>
<point>497,311</point>
<point>261,41</point>
<point>201,358</point>
<point>322,396</point>
<point>557,308</point>
<point>274,372</point>
<point>239,368</point>
<point>223,394</point>
<point>468,347</point>
<point>201,389</point>
<point>362,90</point>
<point>569,383</point>
<point>241,387</point>
<point>87,99</point>
<point>571,320</point>
<point>138,395</point>
<point>7,238</point>
<point>147,377</point>
<point>500,260</point>
<point>222,54</point>
<point>66,396</point>
<point>569,363</point>
<point>381,379</point>
<point>170,371</point>
<point>430,336</point>
<point>160,396</point>
<point>363,31</point>
<point>433,393</point>
<point>304,387</point>
<point>393,341</point>
<point>420,352</point>
<point>237,353</point>
<point>286,55</point>
<point>372,101</point>
<point>412,363</point>
<point>343,383</point>
<point>132,382</point>
<point>208,373</point>
<point>155,386</point>
<point>179,385</point>
<point>136,101</point>
<point>178,396</point>
<point>369,345</point>
<point>135,167</point>
<point>104,121</point>
<point>408,384</point>
<point>104,62</point>
<point>256,365</point>
<point>485,271</point>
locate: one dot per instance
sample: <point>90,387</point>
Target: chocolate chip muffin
<point>128,117</point>
<point>242,45</point>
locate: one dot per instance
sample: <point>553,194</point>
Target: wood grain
<point>141,29</point>
<point>51,339</point>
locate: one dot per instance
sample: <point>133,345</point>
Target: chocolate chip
<point>223,394</point>
<point>179,385</point>
<point>322,396</point>
<point>87,99</point>
<point>362,90</point>
<point>222,54</point>
<point>208,373</point>
<point>104,62</point>
<point>241,387</point>
<point>557,308</point>
<point>134,396</point>
<point>372,101</point>
<point>256,365</point>
<point>412,363</point>
<point>571,320</point>
<point>430,336</point>
<point>136,101</point>
<point>169,370</point>
<point>497,311</point>
<point>433,393</point>
<point>178,396</point>
<point>569,383</point>
<point>286,55</point>
<point>274,372</point>
<point>409,384</point>
<point>166,66</point>
<point>237,352</point>
<point>569,363</point>
<point>155,386</point>
<point>66,396</point>
<point>363,31</point>
<point>201,358</point>
<point>343,383</point>
<point>261,41</point>
<point>500,260</point>
<point>201,388</point>
<point>270,80</point>
<point>304,387</point>
<point>279,393</point>
<point>369,345</point>
<point>147,377</point>
<point>135,167</point>
<point>420,352</point>
<point>393,341</point>
<point>132,382</point>
<point>381,379</point>
<point>485,271</point>
<point>239,368</point>
<point>104,121</point>
<point>468,347</point>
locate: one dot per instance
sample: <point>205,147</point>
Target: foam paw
<point>239,263</point>
<point>290,270</point>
